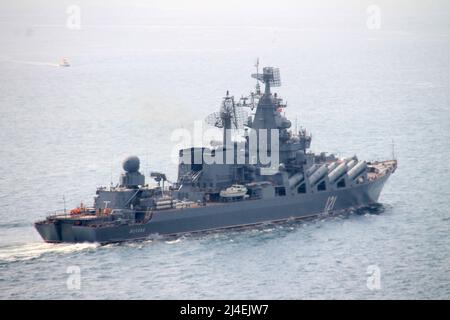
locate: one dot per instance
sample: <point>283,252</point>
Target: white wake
<point>35,63</point>
<point>34,250</point>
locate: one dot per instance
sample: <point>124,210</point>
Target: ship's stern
<point>49,231</point>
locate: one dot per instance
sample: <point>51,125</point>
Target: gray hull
<point>220,216</point>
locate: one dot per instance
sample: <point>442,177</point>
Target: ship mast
<point>266,110</point>
<point>258,87</point>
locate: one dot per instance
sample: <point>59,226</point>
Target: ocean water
<point>141,70</point>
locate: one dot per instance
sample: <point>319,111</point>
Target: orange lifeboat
<point>75,211</point>
<point>78,210</point>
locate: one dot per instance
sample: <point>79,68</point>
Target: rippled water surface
<point>139,71</point>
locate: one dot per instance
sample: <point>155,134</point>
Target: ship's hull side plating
<point>221,216</point>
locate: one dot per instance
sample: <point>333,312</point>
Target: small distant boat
<point>64,63</point>
<point>235,191</point>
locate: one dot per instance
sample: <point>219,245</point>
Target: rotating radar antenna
<point>230,116</point>
<point>270,77</point>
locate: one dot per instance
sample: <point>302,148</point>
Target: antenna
<point>258,88</point>
<point>111,176</point>
<point>147,164</point>
<point>296,124</point>
<point>393,150</point>
<point>64,200</point>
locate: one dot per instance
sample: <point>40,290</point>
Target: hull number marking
<point>329,205</point>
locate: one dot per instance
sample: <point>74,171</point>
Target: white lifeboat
<point>235,191</point>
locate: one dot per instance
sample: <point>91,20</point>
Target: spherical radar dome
<point>131,164</point>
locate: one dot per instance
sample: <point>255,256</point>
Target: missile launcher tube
<point>351,164</point>
<point>295,180</point>
<point>311,170</point>
<point>337,172</point>
<point>332,166</point>
<point>357,170</point>
<point>318,174</point>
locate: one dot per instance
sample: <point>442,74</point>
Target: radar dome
<point>131,164</point>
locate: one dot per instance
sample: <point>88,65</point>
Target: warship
<point>229,184</point>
